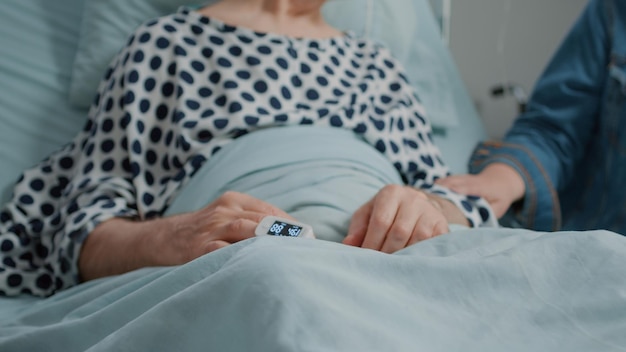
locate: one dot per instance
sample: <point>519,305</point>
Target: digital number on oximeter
<point>276,226</point>
<point>279,228</point>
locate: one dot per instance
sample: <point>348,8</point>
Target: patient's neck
<point>295,18</point>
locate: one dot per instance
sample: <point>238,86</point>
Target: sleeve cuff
<point>540,209</point>
<point>475,209</point>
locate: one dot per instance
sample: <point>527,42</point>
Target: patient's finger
<point>403,226</point>
<point>383,215</point>
<point>215,245</point>
<point>234,231</point>
<point>250,215</point>
<point>358,225</point>
<point>210,219</point>
<point>428,225</point>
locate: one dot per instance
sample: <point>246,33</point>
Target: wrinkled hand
<point>498,184</point>
<point>231,218</point>
<point>397,217</point>
<point>120,245</point>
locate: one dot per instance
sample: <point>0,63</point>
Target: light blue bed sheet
<point>470,290</point>
<point>479,290</point>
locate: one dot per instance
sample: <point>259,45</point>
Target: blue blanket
<point>470,290</point>
<point>320,176</point>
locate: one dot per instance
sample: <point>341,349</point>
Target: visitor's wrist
<point>507,179</point>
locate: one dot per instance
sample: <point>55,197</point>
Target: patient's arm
<point>120,245</point>
<point>399,216</point>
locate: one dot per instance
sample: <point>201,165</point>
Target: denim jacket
<point>570,144</point>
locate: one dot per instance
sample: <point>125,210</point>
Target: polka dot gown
<point>183,87</point>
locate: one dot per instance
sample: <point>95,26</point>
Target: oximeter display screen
<point>280,228</point>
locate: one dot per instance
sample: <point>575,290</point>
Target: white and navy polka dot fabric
<point>183,87</point>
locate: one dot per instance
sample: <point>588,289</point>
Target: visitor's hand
<point>498,184</point>
<point>397,217</point>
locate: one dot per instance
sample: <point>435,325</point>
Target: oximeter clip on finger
<point>275,226</point>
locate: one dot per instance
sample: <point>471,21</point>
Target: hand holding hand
<point>498,184</point>
<point>397,217</point>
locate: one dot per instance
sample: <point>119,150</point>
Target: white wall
<point>495,41</point>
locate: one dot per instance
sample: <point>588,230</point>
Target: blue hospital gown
<point>184,86</point>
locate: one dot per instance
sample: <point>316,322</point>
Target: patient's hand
<point>498,183</point>
<point>229,219</point>
<point>120,245</point>
<point>397,217</point>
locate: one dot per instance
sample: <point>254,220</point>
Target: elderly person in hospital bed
<point>187,86</point>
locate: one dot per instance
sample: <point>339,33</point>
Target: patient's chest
<point>194,84</point>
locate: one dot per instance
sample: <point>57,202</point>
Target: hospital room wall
<point>497,41</point>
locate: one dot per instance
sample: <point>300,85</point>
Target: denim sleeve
<point>540,209</point>
<point>549,139</point>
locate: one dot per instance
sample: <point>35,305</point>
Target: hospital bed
<point>469,290</point>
